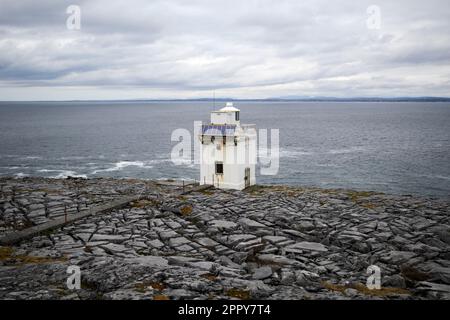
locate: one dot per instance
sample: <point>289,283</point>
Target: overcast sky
<point>242,49</point>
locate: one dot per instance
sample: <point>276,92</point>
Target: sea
<point>390,147</point>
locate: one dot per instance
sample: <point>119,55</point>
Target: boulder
<point>396,281</point>
<point>262,273</point>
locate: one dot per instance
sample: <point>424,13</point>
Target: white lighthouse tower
<point>227,150</point>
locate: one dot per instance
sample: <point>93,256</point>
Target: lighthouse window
<point>219,167</point>
<point>237,115</point>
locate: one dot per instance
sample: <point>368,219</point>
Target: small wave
<point>187,164</point>
<point>328,165</point>
<point>283,153</point>
<point>123,164</point>
<point>32,158</point>
<point>68,173</point>
<point>183,162</point>
<point>346,150</point>
<point>157,161</point>
<point>73,158</point>
<point>91,164</point>
<point>20,175</point>
<point>14,167</point>
<point>62,173</point>
<point>442,177</point>
<point>434,176</point>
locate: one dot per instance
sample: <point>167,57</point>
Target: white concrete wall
<point>218,117</point>
<point>235,159</point>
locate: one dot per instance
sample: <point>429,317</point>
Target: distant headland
<point>271,99</point>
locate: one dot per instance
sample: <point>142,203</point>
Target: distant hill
<point>331,99</point>
<point>366,99</point>
<point>278,99</point>
<point>312,99</point>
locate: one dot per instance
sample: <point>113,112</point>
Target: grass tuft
<point>7,255</point>
<point>209,276</point>
<point>144,203</point>
<point>358,197</point>
<point>414,274</point>
<point>143,286</point>
<point>206,192</point>
<point>186,210</point>
<point>239,293</point>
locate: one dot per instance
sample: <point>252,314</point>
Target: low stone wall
<point>271,242</point>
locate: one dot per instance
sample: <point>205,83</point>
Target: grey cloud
<point>254,48</point>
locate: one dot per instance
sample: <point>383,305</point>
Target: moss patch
<point>17,224</point>
<point>206,192</point>
<point>209,276</point>
<point>143,286</point>
<point>157,286</point>
<point>88,285</point>
<point>255,189</point>
<point>7,255</point>
<point>414,274</point>
<point>239,293</point>
<point>359,197</point>
<point>325,191</point>
<point>160,297</point>
<point>144,203</point>
<point>368,205</point>
<point>356,196</point>
<point>186,210</point>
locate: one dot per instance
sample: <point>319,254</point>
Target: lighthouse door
<point>247,177</point>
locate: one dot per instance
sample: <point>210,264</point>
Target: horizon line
<point>278,99</point>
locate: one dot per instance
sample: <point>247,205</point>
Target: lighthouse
<point>227,150</point>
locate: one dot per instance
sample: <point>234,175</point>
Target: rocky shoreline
<point>266,242</point>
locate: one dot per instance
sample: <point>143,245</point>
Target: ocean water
<point>401,148</point>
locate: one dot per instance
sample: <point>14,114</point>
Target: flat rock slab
<point>271,242</point>
<point>262,273</point>
<point>150,261</point>
<point>207,242</point>
<point>175,242</point>
<point>156,243</point>
<point>115,248</point>
<point>59,222</point>
<point>275,239</point>
<point>108,237</point>
<point>223,224</point>
<point>276,259</point>
<point>304,245</point>
<point>238,238</point>
<point>249,223</point>
<point>399,257</point>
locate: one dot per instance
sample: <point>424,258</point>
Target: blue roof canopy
<point>218,129</point>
